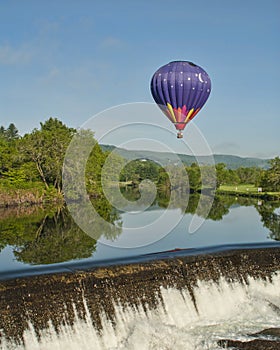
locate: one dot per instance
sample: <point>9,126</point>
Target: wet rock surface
<point>272,332</point>
<point>256,344</point>
<point>273,343</point>
<point>42,298</point>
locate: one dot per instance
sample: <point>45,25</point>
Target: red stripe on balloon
<point>194,114</point>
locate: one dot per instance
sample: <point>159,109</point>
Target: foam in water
<point>221,310</point>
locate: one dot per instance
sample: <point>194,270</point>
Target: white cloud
<point>11,56</point>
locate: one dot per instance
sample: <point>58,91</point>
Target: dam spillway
<point>188,300</point>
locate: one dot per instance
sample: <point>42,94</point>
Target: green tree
<point>9,157</point>
<point>2,132</point>
<point>15,177</point>
<point>138,170</point>
<point>83,164</point>
<point>46,148</point>
<point>114,165</point>
<point>163,180</point>
<point>5,159</point>
<point>222,175</point>
<point>208,176</point>
<point>94,170</point>
<point>270,180</point>
<point>12,132</point>
<point>248,175</point>
<point>194,177</point>
<point>232,178</point>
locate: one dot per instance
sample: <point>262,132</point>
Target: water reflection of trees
<point>56,239</point>
<point>270,218</point>
<point>195,203</point>
<point>17,225</point>
<point>51,236</point>
<point>198,204</point>
<point>43,236</point>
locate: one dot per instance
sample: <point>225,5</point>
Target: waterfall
<point>180,320</point>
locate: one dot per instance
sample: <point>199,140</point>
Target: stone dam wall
<point>50,297</point>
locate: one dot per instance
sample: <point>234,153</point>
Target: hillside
<point>232,162</point>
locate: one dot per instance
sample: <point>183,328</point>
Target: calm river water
<point>36,237</point>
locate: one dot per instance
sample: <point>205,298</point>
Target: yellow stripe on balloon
<point>189,115</point>
<point>171,112</point>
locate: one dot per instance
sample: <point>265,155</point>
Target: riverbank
<point>247,190</point>
<point>38,194</point>
<point>15,197</point>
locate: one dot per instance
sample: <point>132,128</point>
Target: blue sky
<point>72,59</point>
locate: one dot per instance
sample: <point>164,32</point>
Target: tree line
<point>198,176</point>
<point>35,161</point>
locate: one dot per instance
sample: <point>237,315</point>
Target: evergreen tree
<point>2,132</point>
<point>12,132</point>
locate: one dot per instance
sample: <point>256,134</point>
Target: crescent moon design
<point>200,78</point>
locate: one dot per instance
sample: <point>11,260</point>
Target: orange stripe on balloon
<point>180,115</point>
<point>175,113</point>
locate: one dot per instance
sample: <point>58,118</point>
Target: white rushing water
<point>224,310</point>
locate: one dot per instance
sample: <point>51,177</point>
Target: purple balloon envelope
<point>180,88</point>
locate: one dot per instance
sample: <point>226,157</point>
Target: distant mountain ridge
<point>165,158</point>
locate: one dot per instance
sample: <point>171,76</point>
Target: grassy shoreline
<point>247,190</point>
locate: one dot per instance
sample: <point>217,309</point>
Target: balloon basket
<point>179,135</point>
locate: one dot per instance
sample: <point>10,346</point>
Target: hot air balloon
<point>180,88</point>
